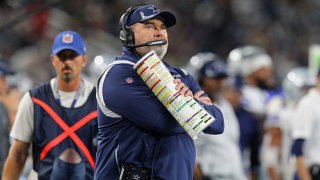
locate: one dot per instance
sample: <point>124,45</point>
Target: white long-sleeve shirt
<point>219,156</point>
<point>306,125</point>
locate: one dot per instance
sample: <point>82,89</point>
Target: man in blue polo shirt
<point>138,138</point>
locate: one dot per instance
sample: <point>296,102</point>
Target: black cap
<point>214,69</point>
<point>4,69</point>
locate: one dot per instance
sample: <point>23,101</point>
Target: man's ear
<point>51,58</point>
<point>85,60</point>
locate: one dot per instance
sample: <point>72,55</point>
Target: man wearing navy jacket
<point>138,138</point>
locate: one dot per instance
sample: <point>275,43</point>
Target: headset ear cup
<point>122,30</point>
<point>130,38</point>
<point>123,37</point>
<point>125,34</point>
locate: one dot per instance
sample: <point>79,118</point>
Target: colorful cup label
<point>190,115</point>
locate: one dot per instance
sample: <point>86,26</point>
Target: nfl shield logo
<point>67,38</point>
<point>129,80</point>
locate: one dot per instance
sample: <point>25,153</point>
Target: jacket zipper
<point>154,157</point>
<point>116,156</point>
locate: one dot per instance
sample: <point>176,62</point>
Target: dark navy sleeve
<point>217,127</point>
<point>127,95</point>
<point>297,147</point>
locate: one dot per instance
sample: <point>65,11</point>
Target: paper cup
<point>190,115</point>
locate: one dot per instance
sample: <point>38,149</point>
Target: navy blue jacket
<point>134,126</point>
<point>249,136</point>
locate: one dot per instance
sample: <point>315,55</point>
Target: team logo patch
<point>129,80</point>
<point>154,9</point>
<point>136,177</point>
<point>67,38</point>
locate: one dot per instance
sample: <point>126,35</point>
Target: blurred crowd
<point>283,29</point>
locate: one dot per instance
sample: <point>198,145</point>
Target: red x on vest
<point>68,131</point>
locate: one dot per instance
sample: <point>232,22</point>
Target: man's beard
<point>263,84</point>
<point>159,50</point>
<point>67,77</point>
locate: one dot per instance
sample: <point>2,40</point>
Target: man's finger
<point>189,93</point>
<point>176,81</point>
<point>184,90</point>
<point>198,94</point>
<point>180,85</point>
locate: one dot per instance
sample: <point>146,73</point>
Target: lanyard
<point>76,96</point>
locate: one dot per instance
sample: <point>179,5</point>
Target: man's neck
<point>69,86</point>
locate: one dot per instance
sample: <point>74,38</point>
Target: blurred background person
<point>12,85</point>
<point>252,67</point>
<point>295,85</point>
<point>249,129</point>
<point>219,156</point>
<point>306,124</point>
<point>5,112</point>
<point>9,91</point>
<point>276,150</point>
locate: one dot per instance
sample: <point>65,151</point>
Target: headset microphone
<point>150,43</point>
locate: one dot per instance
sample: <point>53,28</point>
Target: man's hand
<point>302,169</point>
<point>205,99</point>
<point>182,88</point>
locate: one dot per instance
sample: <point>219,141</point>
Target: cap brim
<point>10,72</point>
<point>61,48</point>
<point>222,76</point>
<point>168,17</point>
<point>5,70</point>
<point>6,73</point>
<point>218,76</point>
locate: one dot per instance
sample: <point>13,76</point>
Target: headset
<point>126,35</point>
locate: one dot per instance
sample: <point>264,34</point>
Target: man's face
<point>213,86</point>
<point>68,64</point>
<point>147,31</point>
<point>3,85</point>
<point>264,78</point>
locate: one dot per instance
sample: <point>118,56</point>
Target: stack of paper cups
<point>190,115</point>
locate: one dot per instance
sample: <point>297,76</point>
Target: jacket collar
<point>128,54</point>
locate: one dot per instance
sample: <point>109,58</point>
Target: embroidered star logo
<point>154,9</point>
<point>135,177</point>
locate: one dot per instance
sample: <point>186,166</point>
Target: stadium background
<point>285,28</point>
